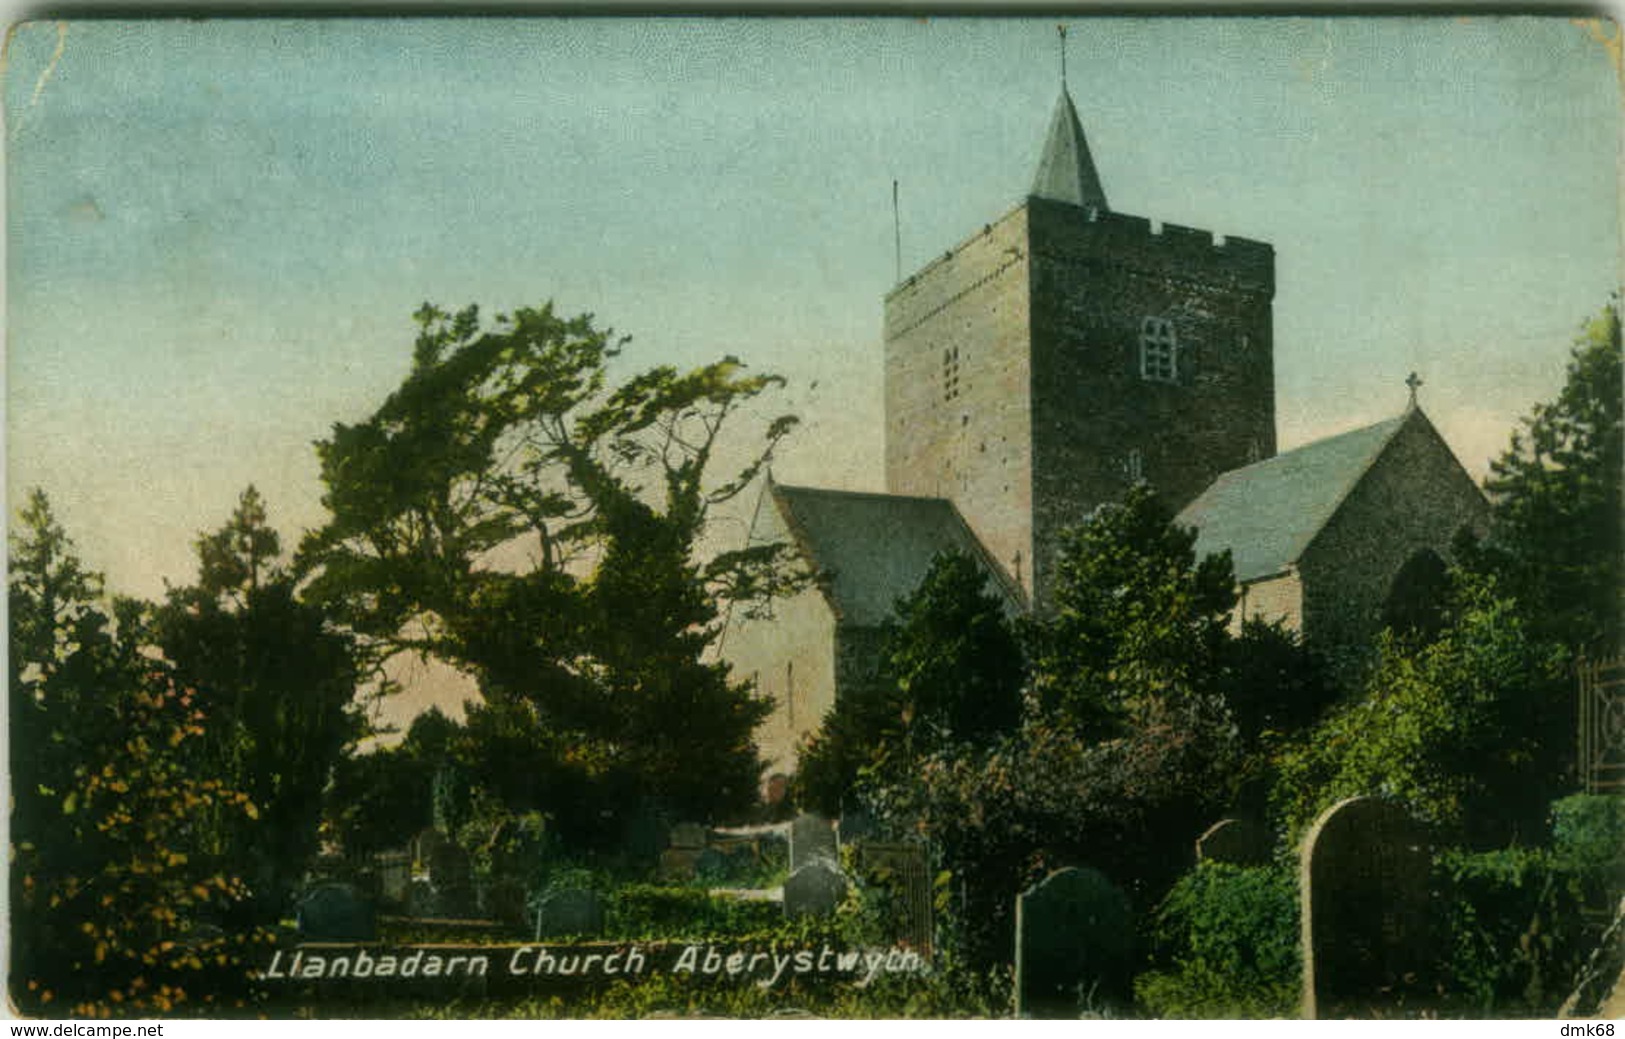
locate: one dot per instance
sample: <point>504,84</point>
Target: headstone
<point>573,911</point>
<point>420,898</point>
<point>333,912</point>
<point>812,839</point>
<point>1365,911</point>
<point>688,835</point>
<point>453,880</point>
<point>1074,944</point>
<point>425,844</point>
<point>1239,842</point>
<point>394,874</point>
<point>814,890</point>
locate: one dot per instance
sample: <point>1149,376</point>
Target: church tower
<point>1065,352</point>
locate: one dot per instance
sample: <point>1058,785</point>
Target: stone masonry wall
<point>1095,278</point>
<point>1415,496</point>
<point>958,388</point>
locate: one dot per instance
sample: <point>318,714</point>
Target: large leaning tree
<point>509,511</point>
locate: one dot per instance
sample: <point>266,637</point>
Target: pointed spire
<point>1066,173</point>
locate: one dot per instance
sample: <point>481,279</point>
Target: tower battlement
<point>1062,230</point>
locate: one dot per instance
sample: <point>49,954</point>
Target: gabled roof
<point>870,550</point>
<point>1267,513</point>
<point>1066,173</point>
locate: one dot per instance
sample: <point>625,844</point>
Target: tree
<point>1555,539</point>
<point>278,685</point>
<point>507,511</point>
<point>1135,616</point>
<point>113,862</point>
<point>950,672</point>
<point>1453,728</point>
<point>1126,747</point>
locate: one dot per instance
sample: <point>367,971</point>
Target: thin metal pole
<point>897,230</point>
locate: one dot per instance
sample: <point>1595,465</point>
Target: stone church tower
<point>1064,352</point>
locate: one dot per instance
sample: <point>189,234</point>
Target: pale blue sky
<point>218,230</point>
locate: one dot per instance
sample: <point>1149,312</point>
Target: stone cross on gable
<point>1413,382</point>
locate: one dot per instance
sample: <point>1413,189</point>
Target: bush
<point>648,911</point>
<point>1517,938</point>
<point>1230,936</point>
<point>1588,836</point>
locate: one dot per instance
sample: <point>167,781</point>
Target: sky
<point>217,231</point>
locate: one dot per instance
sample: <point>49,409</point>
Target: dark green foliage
<point>277,687</point>
<point>380,800</point>
<point>643,911</point>
<point>1458,730</point>
<point>117,857</point>
<point>1517,936</point>
<point>509,512</point>
<point>1555,525</point>
<point>950,673</point>
<point>1588,837</point>
<point>1227,945</point>
<point>1135,616</point>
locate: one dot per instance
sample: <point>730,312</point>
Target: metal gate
<point>1602,726</point>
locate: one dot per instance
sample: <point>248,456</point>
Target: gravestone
<point>1365,908</point>
<point>1239,842</point>
<point>394,874</point>
<point>334,912</point>
<point>688,835</point>
<point>1074,944</point>
<point>425,844</point>
<point>453,880</point>
<point>814,890</point>
<point>812,839</point>
<point>573,911</point>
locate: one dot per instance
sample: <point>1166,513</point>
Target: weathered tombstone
<point>814,890</point>
<point>453,880</point>
<point>333,912</point>
<point>812,839</point>
<point>688,835</point>
<point>394,874</point>
<point>1239,842</point>
<point>1365,909</point>
<point>1074,944</point>
<point>425,844</point>
<point>573,911</point>
<point>420,898</point>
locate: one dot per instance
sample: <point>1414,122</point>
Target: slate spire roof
<point>1066,173</point>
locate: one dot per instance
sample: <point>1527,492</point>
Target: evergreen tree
<point>277,685</point>
<point>1555,539</point>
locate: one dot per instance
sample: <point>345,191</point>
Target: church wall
<point>958,386</point>
<point>1098,424</point>
<point>789,654</point>
<point>1415,496</point>
<point>1270,599</point>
